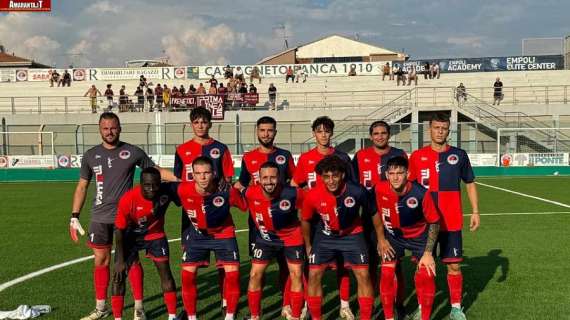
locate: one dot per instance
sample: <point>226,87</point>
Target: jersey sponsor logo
<point>437,164</point>
<point>188,153</point>
<point>110,162</point>
<point>124,154</point>
<point>140,208</point>
<point>424,177</point>
<point>163,199</point>
<point>452,159</point>
<point>98,170</point>
<point>218,201</point>
<point>285,205</point>
<point>255,177</point>
<point>261,226</point>
<point>311,179</point>
<point>280,159</point>
<point>367,179</point>
<point>349,202</point>
<point>423,159</point>
<point>387,220</point>
<point>97,156</point>
<point>311,161</point>
<point>412,202</point>
<point>366,160</point>
<point>215,153</point>
<point>253,161</point>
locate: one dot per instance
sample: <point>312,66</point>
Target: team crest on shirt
<point>215,153</point>
<point>349,202</point>
<point>163,199</point>
<point>142,220</point>
<point>452,159</point>
<point>124,154</point>
<point>412,203</point>
<point>218,201</point>
<point>280,159</point>
<point>285,205</point>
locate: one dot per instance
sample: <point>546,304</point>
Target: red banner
<point>214,102</point>
<point>25,5</point>
<point>248,98</point>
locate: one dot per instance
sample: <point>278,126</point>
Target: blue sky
<point>109,32</point>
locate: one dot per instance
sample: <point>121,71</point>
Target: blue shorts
<point>450,245</point>
<point>264,251</point>
<point>156,250</point>
<point>196,251</point>
<point>400,244</point>
<point>327,250</point>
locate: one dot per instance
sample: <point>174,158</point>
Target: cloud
<point>104,7</point>
<point>468,41</point>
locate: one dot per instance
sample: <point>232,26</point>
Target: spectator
<point>239,74</point>
<point>159,98</point>
<point>300,75</point>
<point>182,90</point>
<point>191,89</point>
<point>109,95</point>
<point>352,71</point>
<point>426,71</point>
<point>201,89</point>
<point>150,98</point>
<point>213,81</point>
<point>123,99</point>
<point>252,88</point>
<point>436,70</point>
<point>413,75</point>
<point>394,71</point>
<point>142,81</point>
<point>255,74</point>
<point>400,76</point>
<point>166,93</point>
<point>228,72</point>
<point>432,71</point>
<point>175,94</point>
<point>272,92</point>
<point>66,80</point>
<point>54,78</point>
<point>230,87</point>
<point>386,72</point>
<point>242,90</point>
<point>139,93</point>
<point>213,89</point>
<point>93,92</point>
<point>222,90</point>
<point>289,75</point>
<point>461,93</point>
<point>498,91</point>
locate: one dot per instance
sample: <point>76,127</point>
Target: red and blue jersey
<point>144,217</point>
<point>209,215</point>
<point>305,174</point>
<point>442,173</point>
<point>339,215</point>
<point>370,166</point>
<point>215,150</point>
<point>405,215</point>
<point>276,219</point>
<point>252,161</point>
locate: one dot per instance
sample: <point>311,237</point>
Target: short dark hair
<point>107,115</point>
<point>269,165</point>
<point>202,160</point>
<point>200,113</point>
<point>439,117</point>
<point>331,164</point>
<point>151,171</point>
<point>324,121</point>
<point>379,123</point>
<point>397,162</point>
<point>266,120</point>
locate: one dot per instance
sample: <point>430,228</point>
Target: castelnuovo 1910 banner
<point>490,64</point>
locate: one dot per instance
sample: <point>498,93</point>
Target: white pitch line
<point>520,213</point>
<point>524,195</point>
<point>38,273</point>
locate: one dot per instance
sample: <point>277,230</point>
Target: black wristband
<point>75,214</point>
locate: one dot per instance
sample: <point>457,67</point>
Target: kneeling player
<point>338,233</point>
<point>410,220</point>
<point>273,208</point>
<point>210,228</point>
<point>139,225</point>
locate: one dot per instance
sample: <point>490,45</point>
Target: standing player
<point>251,162</point>
<point>202,144</point>
<point>273,206</point>
<point>405,218</point>
<point>139,225</point>
<point>209,228</point>
<point>306,177</point>
<point>441,168</point>
<point>337,204</point>
<point>112,164</point>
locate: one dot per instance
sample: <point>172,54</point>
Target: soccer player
<point>405,218</point>
<point>266,129</point>
<point>273,206</point>
<point>369,164</point>
<point>139,225</point>
<point>306,177</point>
<point>441,168</point>
<point>337,203</point>
<point>210,228</point>
<point>112,165</point>
<point>202,144</point>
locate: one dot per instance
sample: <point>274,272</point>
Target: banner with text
<point>534,159</point>
<point>214,102</point>
<point>490,64</point>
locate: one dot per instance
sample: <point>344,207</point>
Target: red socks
<point>189,294</point>
<point>231,290</point>
<point>117,304</point>
<point>314,304</point>
<point>387,290</point>
<point>254,302</point>
<point>296,303</point>
<point>455,284</point>
<point>425,289</point>
<point>366,305</point>
<point>136,280</point>
<point>343,279</point>
<point>170,301</point>
<point>101,277</point>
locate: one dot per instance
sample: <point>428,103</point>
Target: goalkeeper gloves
<point>74,227</point>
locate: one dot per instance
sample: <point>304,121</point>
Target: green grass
<point>515,265</point>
